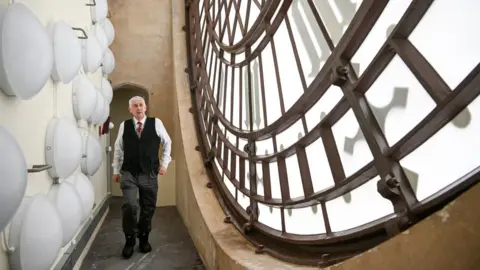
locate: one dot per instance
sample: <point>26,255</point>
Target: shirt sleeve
<point>118,151</point>
<point>165,141</point>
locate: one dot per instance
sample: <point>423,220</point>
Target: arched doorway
<point>119,112</point>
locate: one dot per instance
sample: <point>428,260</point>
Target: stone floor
<point>172,246</point>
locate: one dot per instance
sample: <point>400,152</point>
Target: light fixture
<point>97,115</point>
<point>25,49</point>
<point>109,30</point>
<point>106,89</point>
<point>99,33</point>
<point>84,97</point>
<point>111,125</point>
<point>92,154</point>
<point>67,52</point>
<point>99,11</point>
<point>36,234</point>
<point>69,205</point>
<point>63,147</point>
<point>108,62</point>
<point>13,176</point>
<point>85,189</point>
<point>92,54</point>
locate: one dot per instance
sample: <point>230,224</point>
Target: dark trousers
<point>147,188</point>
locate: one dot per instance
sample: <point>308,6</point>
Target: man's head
<point>137,107</point>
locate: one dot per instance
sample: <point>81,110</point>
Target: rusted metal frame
<point>316,132</point>
<point>247,19</point>
<point>299,67</point>
<point>225,85</point>
<point>326,219</point>
<point>191,47</point>
<point>295,53</point>
<point>234,26</point>
<point>267,186</point>
<point>393,185</point>
<point>269,31</point>
<point>225,160</point>
<point>252,35</point>
<point>330,119</point>
<point>477,72</point>
<point>303,254</point>
<point>262,89</point>
<point>300,150</point>
<point>365,231</point>
<point>195,69</point>
<point>365,17</point>
<point>366,80</point>
<point>205,39</point>
<point>258,4</point>
<point>334,241</point>
<point>240,118</point>
<point>277,77</point>
<point>361,172</point>
<point>322,26</point>
<point>240,98</point>
<point>220,74</point>
<point>301,249</point>
<point>270,28</point>
<point>352,182</point>
<point>215,89</point>
<point>453,104</point>
<point>218,15</point>
<point>226,24</point>
<point>232,94</point>
<point>431,81</point>
<point>333,156</point>
<point>250,149</point>
<point>282,220</point>
<point>238,17</point>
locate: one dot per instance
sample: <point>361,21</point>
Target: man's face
<point>138,108</point>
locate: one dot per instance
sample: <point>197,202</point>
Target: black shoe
<point>144,246</point>
<point>128,249</point>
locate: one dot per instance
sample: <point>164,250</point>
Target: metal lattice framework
<point>212,46</point>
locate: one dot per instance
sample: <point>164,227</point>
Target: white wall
<point>450,44</point>
<point>27,120</point>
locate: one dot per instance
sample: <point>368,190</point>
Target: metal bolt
<point>342,70</point>
<point>247,227</point>
<point>391,181</point>
<point>260,249</point>
<point>227,219</point>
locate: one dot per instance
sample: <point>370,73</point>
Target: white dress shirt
<point>165,141</point>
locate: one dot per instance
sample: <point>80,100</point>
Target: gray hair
<point>135,98</point>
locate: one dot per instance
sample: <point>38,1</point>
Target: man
<point>135,166</point>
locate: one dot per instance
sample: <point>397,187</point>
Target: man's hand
<point>162,171</point>
<point>116,178</point>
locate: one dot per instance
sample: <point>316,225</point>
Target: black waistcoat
<point>140,154</point>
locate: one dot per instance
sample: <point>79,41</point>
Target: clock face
<point>321,118</point>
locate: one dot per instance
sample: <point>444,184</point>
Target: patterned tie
<point>139,128</point>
